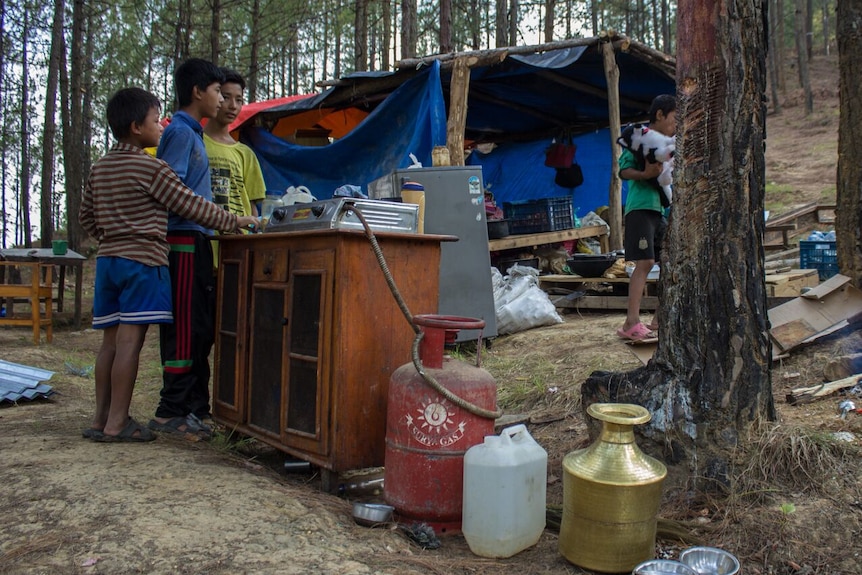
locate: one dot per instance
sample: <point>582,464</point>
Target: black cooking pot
<point>498,229</point>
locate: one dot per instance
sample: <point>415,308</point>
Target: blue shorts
<point>131,292</point>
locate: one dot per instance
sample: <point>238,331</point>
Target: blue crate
<point>536,216</point>
<point>819,255</point>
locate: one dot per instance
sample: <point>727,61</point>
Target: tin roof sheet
<point>22,382</point>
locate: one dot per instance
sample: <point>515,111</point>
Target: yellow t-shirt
<point>237,181</point>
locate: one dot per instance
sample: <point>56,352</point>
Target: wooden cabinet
<point>308,334</point>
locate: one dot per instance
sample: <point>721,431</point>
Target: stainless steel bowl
<point>370,514</point>
<point>663,567</point>
<point>710,561</point>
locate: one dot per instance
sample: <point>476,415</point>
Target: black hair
<point>194,72</point>
<point>664,102</point>
<point>129,105</point>
<point>233,77</point>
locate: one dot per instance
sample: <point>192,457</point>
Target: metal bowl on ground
<point>663,567</point>
<point>370,514</point>
<point>590,265</point>
<point>710,561</point>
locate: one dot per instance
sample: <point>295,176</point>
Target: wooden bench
<point>35,288</point>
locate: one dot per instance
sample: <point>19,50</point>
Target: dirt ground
<point>174,506</point>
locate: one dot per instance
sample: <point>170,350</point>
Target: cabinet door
<point>307,406</point>
<point>268,328</point>
<point>231,338</point>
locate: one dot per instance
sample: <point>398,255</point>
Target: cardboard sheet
<point>834,302</point>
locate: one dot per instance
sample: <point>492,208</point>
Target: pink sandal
<point>637,332</point>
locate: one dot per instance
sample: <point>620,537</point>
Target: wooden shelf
<point>533,240</point>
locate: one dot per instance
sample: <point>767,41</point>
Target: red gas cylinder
<point>428,433</point>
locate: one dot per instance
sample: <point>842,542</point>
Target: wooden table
<point>533,240</point>
<point>47,256</point>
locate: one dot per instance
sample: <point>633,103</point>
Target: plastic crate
<point>535,216</point>
<point>819,255</point>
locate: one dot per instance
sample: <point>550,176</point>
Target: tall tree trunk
<point>848,219</point>
<point>49,128</point>
<point>772,61</point>
<point>24,193</point>
<point>409,32</point>
<point>514,19</point>
<point>337,57</point>
<point>778,8</point>
<point>475,25</point>
<point>501,25</point>
<point>802,56</point>
<point>253,80</point>
<point>360,38</point>
<point>809,28</point>
<point>387,36</point>
<point>74,150</point>
<point>215,31</point>
<point>666,40</point>
<point>4,218</point>
<point>550,8</point>
<point>446,26</point>
<point>709,383</point>
<point>182,33</point>
<point>826,26</point>
<point>594,16</point>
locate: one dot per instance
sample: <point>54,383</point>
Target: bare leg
<point>104,364</point>
<point>129,341</point>
<point>637,283</point>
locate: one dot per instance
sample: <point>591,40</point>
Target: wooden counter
<point>308,335</point>
<point>544,238</point>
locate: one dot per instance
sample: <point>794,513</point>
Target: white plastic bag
<point>519,302</point>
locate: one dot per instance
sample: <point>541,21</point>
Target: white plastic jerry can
<point>505,483</point>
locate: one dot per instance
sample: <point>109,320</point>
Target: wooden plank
<point>458,91</point>
<point>533,240</point>
<point>809,394</point>
<point>612,79</point>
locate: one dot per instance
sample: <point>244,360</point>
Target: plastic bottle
<point>414,193</point>
<point>505,484</point>
<point>269,204</point>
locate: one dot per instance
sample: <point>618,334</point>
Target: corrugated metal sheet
<point>23,382</point>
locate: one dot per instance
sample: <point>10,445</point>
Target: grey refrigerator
<point>455,205</point>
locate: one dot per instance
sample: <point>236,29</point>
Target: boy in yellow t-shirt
<point>237,180</point>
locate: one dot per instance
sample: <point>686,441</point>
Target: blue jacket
<point>182,147</point>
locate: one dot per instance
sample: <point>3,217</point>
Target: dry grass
<point>793,459</point>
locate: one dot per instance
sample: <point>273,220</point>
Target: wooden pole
<point>615,212</point>
<point>457,122</point>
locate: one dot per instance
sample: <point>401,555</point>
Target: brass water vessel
<point>611,495</point>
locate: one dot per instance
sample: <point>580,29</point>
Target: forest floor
<point>70,505</point>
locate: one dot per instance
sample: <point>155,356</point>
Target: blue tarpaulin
<point>516,172</point>
<point>412,120</point>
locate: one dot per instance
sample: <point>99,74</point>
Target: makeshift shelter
<point>512,104</point>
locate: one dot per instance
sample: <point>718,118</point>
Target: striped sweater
<point>126,202</point>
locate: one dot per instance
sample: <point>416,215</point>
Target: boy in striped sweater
<point>125,207</point>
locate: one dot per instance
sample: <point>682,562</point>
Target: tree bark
<point>215,32</point>
<point>253,79</point>
<point>709,381</point>
<point>848,215</point>
<point>387,36</point>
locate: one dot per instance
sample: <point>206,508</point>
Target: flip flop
<point>90,433</point>
<point>188,425</point>
<point>134,432</point>
<point>637,332</point>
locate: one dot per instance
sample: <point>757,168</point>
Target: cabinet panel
<point>307,409</point>
<point>271,265</point>
<point>267,365</point>
<point>230,340</point>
